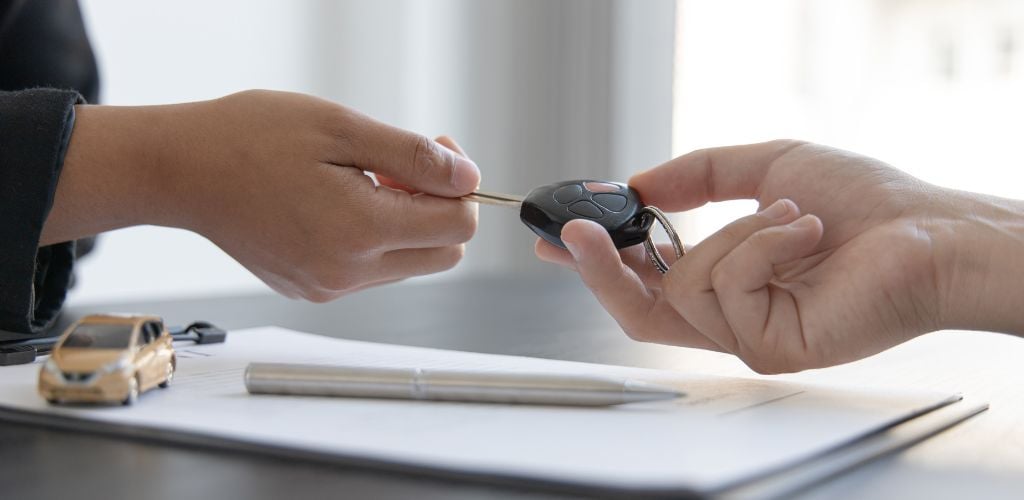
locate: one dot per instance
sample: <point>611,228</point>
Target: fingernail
<point>573,249</point>
<point>776,210</point>
<point>466,176</point>
<point>805,222</point>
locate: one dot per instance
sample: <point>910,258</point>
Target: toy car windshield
<point>100,336</point>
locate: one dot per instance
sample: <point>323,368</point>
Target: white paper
<point>725,431</point>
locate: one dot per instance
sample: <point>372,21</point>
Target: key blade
<point>487,198</point>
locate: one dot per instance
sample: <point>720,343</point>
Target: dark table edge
<point>197,440</point>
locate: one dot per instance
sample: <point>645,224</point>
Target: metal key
<point>615,206</point>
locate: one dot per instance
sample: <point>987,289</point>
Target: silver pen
<point>449,385</point>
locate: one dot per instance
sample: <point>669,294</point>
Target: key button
<point>568,194</point>
<point>602,187</point>
<point>613,202</point>
<point>586,209</point>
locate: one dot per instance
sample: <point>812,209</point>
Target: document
<point>725,434</point>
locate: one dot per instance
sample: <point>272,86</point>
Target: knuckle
<point>334,282</point>
<point>345,249</point>
<point>466,223</point>
<point>426,158</point>
<point>451,256</point>
<point>366,244</point>
<point>342,135</point>
<point>752,223</point>
<point>381,216</point>
<point>344,122</point>
<point>788,144</point>
<point>720,275</point>
<point>730,232</point>
<point>336,274</point>
<point>761,365</point>
<point>253,94</point>
<point>772,363</point>
<point>318,296</point>
<point>743,228</point>
<point>632,334</point>
<point>759,243</point>
<point>636,334</point>
<point>760,239</point>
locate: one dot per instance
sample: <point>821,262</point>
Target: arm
<point>276,180</point>
<point>980,250</point>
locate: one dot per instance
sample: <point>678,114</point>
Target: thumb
<point>415,161</point>
<point>443,140</point>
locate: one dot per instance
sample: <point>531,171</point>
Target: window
<point>935,88</point>
<point>149,332</point>
<point>99,336</point>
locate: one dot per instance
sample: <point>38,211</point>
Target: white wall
<point>161,52</point>
<point>932,87</point>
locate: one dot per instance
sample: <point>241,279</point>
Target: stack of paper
<point>725,435</point>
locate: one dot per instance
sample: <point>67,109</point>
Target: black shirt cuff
<point>35,130</point>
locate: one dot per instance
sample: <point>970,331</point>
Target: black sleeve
<point>43,43</point>
<point>35,127</point>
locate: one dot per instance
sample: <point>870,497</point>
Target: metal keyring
<point>652,250</point>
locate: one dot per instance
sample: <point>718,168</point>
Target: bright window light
<point>935,88</point>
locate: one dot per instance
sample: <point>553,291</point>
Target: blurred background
<point>544,90</point>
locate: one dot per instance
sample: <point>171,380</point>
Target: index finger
<point>705,175</point>
<point>641,313</point>
<point>422,221</point>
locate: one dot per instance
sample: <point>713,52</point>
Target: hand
<point>277,180</point>
<point>877,258</point>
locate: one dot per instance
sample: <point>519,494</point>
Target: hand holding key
<point>615,207</point>
<point>278,180</point>
<point>879,257</point>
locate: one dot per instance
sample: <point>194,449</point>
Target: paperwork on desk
<point>724,434</point>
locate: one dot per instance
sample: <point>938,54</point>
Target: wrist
<point>171,156</point>
<point>127,166</point>
<point>980,262</point>
<point>104,181</point>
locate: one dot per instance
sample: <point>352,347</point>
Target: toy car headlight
<point>51,367</point>
<point>120,365</point>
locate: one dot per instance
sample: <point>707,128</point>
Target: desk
<point>552,317</point>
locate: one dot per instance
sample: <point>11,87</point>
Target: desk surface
<point>552,317</point>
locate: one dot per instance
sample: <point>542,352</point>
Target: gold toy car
<point>106,358</point>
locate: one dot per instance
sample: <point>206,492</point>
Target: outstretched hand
<point>846,257</point>
<point>276,179</point>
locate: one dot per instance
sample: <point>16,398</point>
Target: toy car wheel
<point>133,392</point>
<point>53,401</point>
<point>170,376</point>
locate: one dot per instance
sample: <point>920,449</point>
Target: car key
<point>615,206</point>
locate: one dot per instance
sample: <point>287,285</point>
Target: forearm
<point>982,260</point>
<point>115,171</point>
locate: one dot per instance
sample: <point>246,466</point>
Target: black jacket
<point>46,66</point>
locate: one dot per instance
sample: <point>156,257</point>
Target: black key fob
<point>615,206</point>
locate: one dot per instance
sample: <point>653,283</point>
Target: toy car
<point>106,358</point>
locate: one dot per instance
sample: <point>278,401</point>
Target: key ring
<point>652,251</point>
